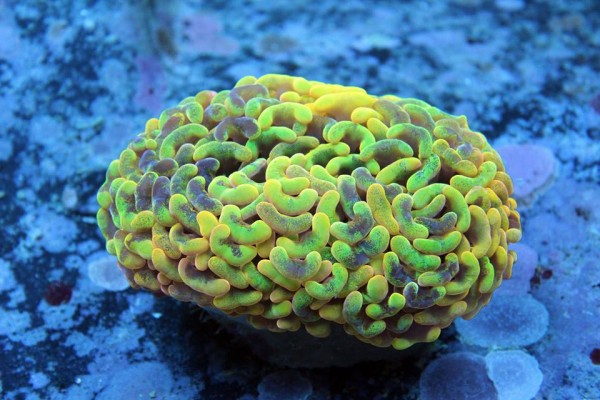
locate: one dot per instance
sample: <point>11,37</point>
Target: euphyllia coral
<point>302,204</point>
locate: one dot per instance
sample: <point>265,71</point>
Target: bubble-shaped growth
<point>305,205</point>
<point>457,376</point>
<point>516,374</point>
<point>510,321</point>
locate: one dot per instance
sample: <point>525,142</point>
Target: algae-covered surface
<point>79,79</point>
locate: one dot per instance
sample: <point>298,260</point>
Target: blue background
<point>78,79</point>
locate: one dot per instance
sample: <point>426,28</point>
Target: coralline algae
<point>509,321</point>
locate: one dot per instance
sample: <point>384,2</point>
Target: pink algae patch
<point>151,85</point>
<point>204,34</point>
<point>531,167</point>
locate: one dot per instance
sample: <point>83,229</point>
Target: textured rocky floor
<point>78,79</point>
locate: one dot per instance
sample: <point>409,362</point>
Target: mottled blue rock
<point>507,321</point>
<point>147,380</point>
<point>7,278</point>
<point>56,232</point>
<point>289,385</point>
<point>516,374</point>
<point>457,376</point>
<point>38,380</point>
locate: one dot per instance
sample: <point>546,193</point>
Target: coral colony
<point>307,205</point>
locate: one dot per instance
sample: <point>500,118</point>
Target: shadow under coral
<point>223,350</point>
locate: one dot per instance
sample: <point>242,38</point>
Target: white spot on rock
<point>105,273</point>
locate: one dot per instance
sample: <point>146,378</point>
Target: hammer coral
<point>306,205</point>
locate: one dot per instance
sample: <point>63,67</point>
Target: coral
<point>303,204</point>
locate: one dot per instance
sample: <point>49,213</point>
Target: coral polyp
<point>307,205</point>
